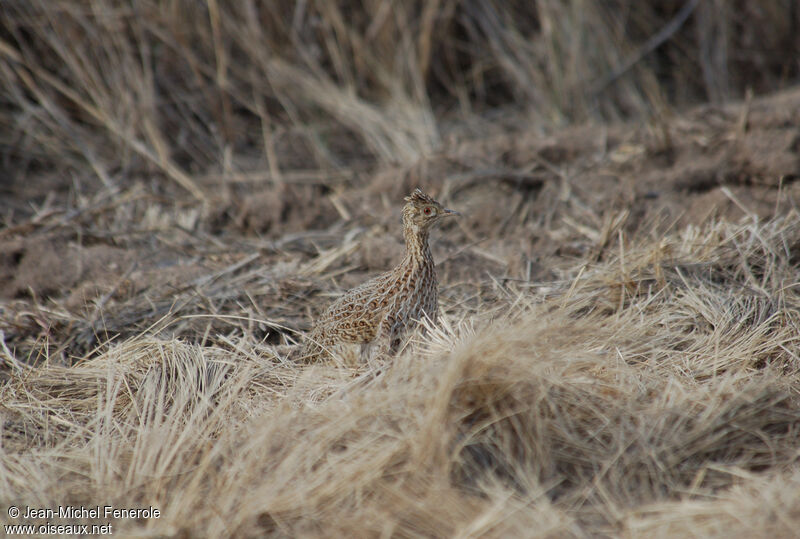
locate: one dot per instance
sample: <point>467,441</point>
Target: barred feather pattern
<point>379,313</point>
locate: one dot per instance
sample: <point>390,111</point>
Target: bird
<point>379,313</point>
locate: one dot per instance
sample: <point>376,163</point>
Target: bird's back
<point>386,304</point>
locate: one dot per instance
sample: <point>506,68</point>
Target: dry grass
<point>176,88</point>
<point>185,186</point>
<point>648,396</point>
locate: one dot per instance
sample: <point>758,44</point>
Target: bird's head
<point>421,211</point>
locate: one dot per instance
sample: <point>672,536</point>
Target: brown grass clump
<point>649,395</point>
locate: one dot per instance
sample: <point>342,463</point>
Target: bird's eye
<point>428,211</point>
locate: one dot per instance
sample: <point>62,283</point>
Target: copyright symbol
<point>13,511</point>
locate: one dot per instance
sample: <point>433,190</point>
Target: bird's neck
<point>417,249</point>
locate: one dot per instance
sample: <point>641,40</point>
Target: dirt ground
<point>82,263</point>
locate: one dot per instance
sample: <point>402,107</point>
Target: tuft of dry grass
<point>649,395</point>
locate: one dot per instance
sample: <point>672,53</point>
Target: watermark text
<point>27,516</point>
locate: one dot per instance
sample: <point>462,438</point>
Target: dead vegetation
<point>640,398</point>
<point>185,188</point>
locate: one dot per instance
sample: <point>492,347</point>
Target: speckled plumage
<point>381,311</point>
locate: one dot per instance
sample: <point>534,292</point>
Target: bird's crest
<point>418,197</point>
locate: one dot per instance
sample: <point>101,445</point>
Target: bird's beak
<point>450,213</point>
